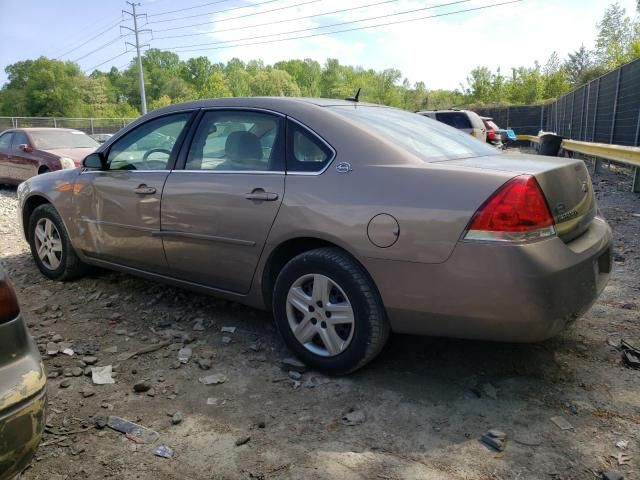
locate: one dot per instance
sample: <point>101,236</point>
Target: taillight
<point>516,212</point>
<point>491,135</point>
<point>9,308</point>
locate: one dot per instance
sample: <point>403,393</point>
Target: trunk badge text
<point>343,167</point>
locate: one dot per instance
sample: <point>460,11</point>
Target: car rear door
<point>218,209</point>
<point>457,120</point>
<point>118,209</point>
<point>5,156</point>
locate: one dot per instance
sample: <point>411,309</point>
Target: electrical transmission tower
<point>136,31</point>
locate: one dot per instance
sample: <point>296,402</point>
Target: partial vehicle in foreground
<point>465,120</point>
<point>22,387</point>
<point>347,220</point>
<point>26,152</point>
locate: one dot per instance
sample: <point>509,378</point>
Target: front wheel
<point>50,245</point>
<point>329,311</point>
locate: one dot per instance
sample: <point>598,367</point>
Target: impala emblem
<point>343,167</point>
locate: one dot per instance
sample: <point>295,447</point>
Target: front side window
<point>307,153</point>
<point>19,138</point>
<point>5,140</point>
<point>237,141</point>
<point>421,136</point>
<point>149,146</point>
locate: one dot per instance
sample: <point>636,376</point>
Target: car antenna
<point>355,98</point>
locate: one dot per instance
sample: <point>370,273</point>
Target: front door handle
<point>144,190</point>
<point>260,195</point>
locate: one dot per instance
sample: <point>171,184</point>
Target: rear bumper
<point>516,293</point>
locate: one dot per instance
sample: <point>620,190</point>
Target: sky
<point>439,51</point>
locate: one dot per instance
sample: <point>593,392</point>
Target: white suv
<point>464,120</point>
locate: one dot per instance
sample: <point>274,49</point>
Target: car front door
<point>5,156</point>
<point>24,162</point>
<point>118,208</point>
<point>217,211</point>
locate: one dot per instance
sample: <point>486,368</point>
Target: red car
<point>26,152</point>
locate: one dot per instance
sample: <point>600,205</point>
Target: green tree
<point>274,83</point>
<point>616,34</point>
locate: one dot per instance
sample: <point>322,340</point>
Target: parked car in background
<point>101,137</point>
<point>22,387</point>
<point>499,137</point>
<point>465,120</point>
<point>276,203</point>
<point>27,152</point>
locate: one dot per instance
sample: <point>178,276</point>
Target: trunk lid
<point>565,183</point>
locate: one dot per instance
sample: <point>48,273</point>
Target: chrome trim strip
<point>125,171</point>
<point>327,144</point>
<point>119,225</point>
<point>198,236</point>
<point>252,172</point>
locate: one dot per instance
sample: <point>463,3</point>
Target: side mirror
<point>95,161</point>
<point>26,148</point>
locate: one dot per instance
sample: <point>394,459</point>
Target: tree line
<point>47,87</point>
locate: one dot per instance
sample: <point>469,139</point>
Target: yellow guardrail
<point>618,153</point>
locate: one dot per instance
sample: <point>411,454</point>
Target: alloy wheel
<point>320,315</point>
<point>48,243</point>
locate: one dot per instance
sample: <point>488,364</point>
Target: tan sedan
<point>347,220</point>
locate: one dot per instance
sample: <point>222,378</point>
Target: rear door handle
<point>260,195</point>
<point>144,190</point>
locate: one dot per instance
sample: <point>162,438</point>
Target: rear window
<point>417,134</point>
<point>454,119</point>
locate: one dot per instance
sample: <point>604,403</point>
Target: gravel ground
<point>416,412</point>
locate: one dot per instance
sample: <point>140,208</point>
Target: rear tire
<point>329,311</point>
<point>50,245</point>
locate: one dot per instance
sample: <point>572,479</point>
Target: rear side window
<point>306,151</point>
<point>5,140</point>
<point>455,119</point>
<point>19,138</point>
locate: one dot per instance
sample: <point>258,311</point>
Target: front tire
<point>50,245</point>
<point>329,311</point>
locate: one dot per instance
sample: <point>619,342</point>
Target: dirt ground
<point>418,410</point>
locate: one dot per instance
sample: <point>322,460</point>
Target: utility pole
<point>134,15</point>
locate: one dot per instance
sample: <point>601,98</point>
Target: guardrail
<point>629,156</point>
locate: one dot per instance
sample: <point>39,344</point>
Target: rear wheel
<point>329,312</point>
<point>50,245</point>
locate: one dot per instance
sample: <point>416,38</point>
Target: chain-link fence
<point>605,110</point>
<point>88,125</point>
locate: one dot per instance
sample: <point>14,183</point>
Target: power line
<point>239,16</point>
<point>189,8</point>
<point>90,70</point>
<point>278,21</point>
<point>348,29</point>
<point>331,25</point>
<point>110,42</point>
<point>73,42</point>
<point>218,11</point>
<point>90,39</point>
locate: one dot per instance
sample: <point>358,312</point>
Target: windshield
<point>52,139</point>
<point>420,135</point>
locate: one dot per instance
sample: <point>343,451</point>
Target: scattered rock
<point>622,444</point>
<point>52,348</point>
<point>163,451</point>
<point>495,439</point>
<point>204,363</point>
<point>293,375</point>
<point>243,440</point>
<point>293,364</point>
<point>611,475</point>
<point>213,379</point>
<point>102,375</point>
<point>88,393</point>
<point>198,327</point>
<point>184,354</point>
<point>141,387</point>
<point>353,417</point>
<point>629,306</point>
<point>66,383</point>
<point>228,329</point>
<point>490,391</point>
<point>631,359</point>
<point>177,418</point>
<point>113,349</point>
<point>226,340</point>
<point>151,393</point>
<point>90,360</point>
<point>77,371</point>
<point>100,421</point>
<point>561,423</point>
<point>56,338</point>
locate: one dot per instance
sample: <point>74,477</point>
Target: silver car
<point>347,220</point>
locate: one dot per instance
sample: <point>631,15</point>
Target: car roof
<point>42,129</point>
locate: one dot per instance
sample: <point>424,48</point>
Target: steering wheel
<point>146,163</point>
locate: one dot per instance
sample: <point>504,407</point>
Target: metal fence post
<point>542,117</point>
<point>91,122</point>
<point>584,98</point>
<point>586,117</point>
<point>573,106</point>
<point>636,180</point>
<point>55,124</point>
<point>595,113</point>
<point>615,106</point>
<point>637,130</point>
